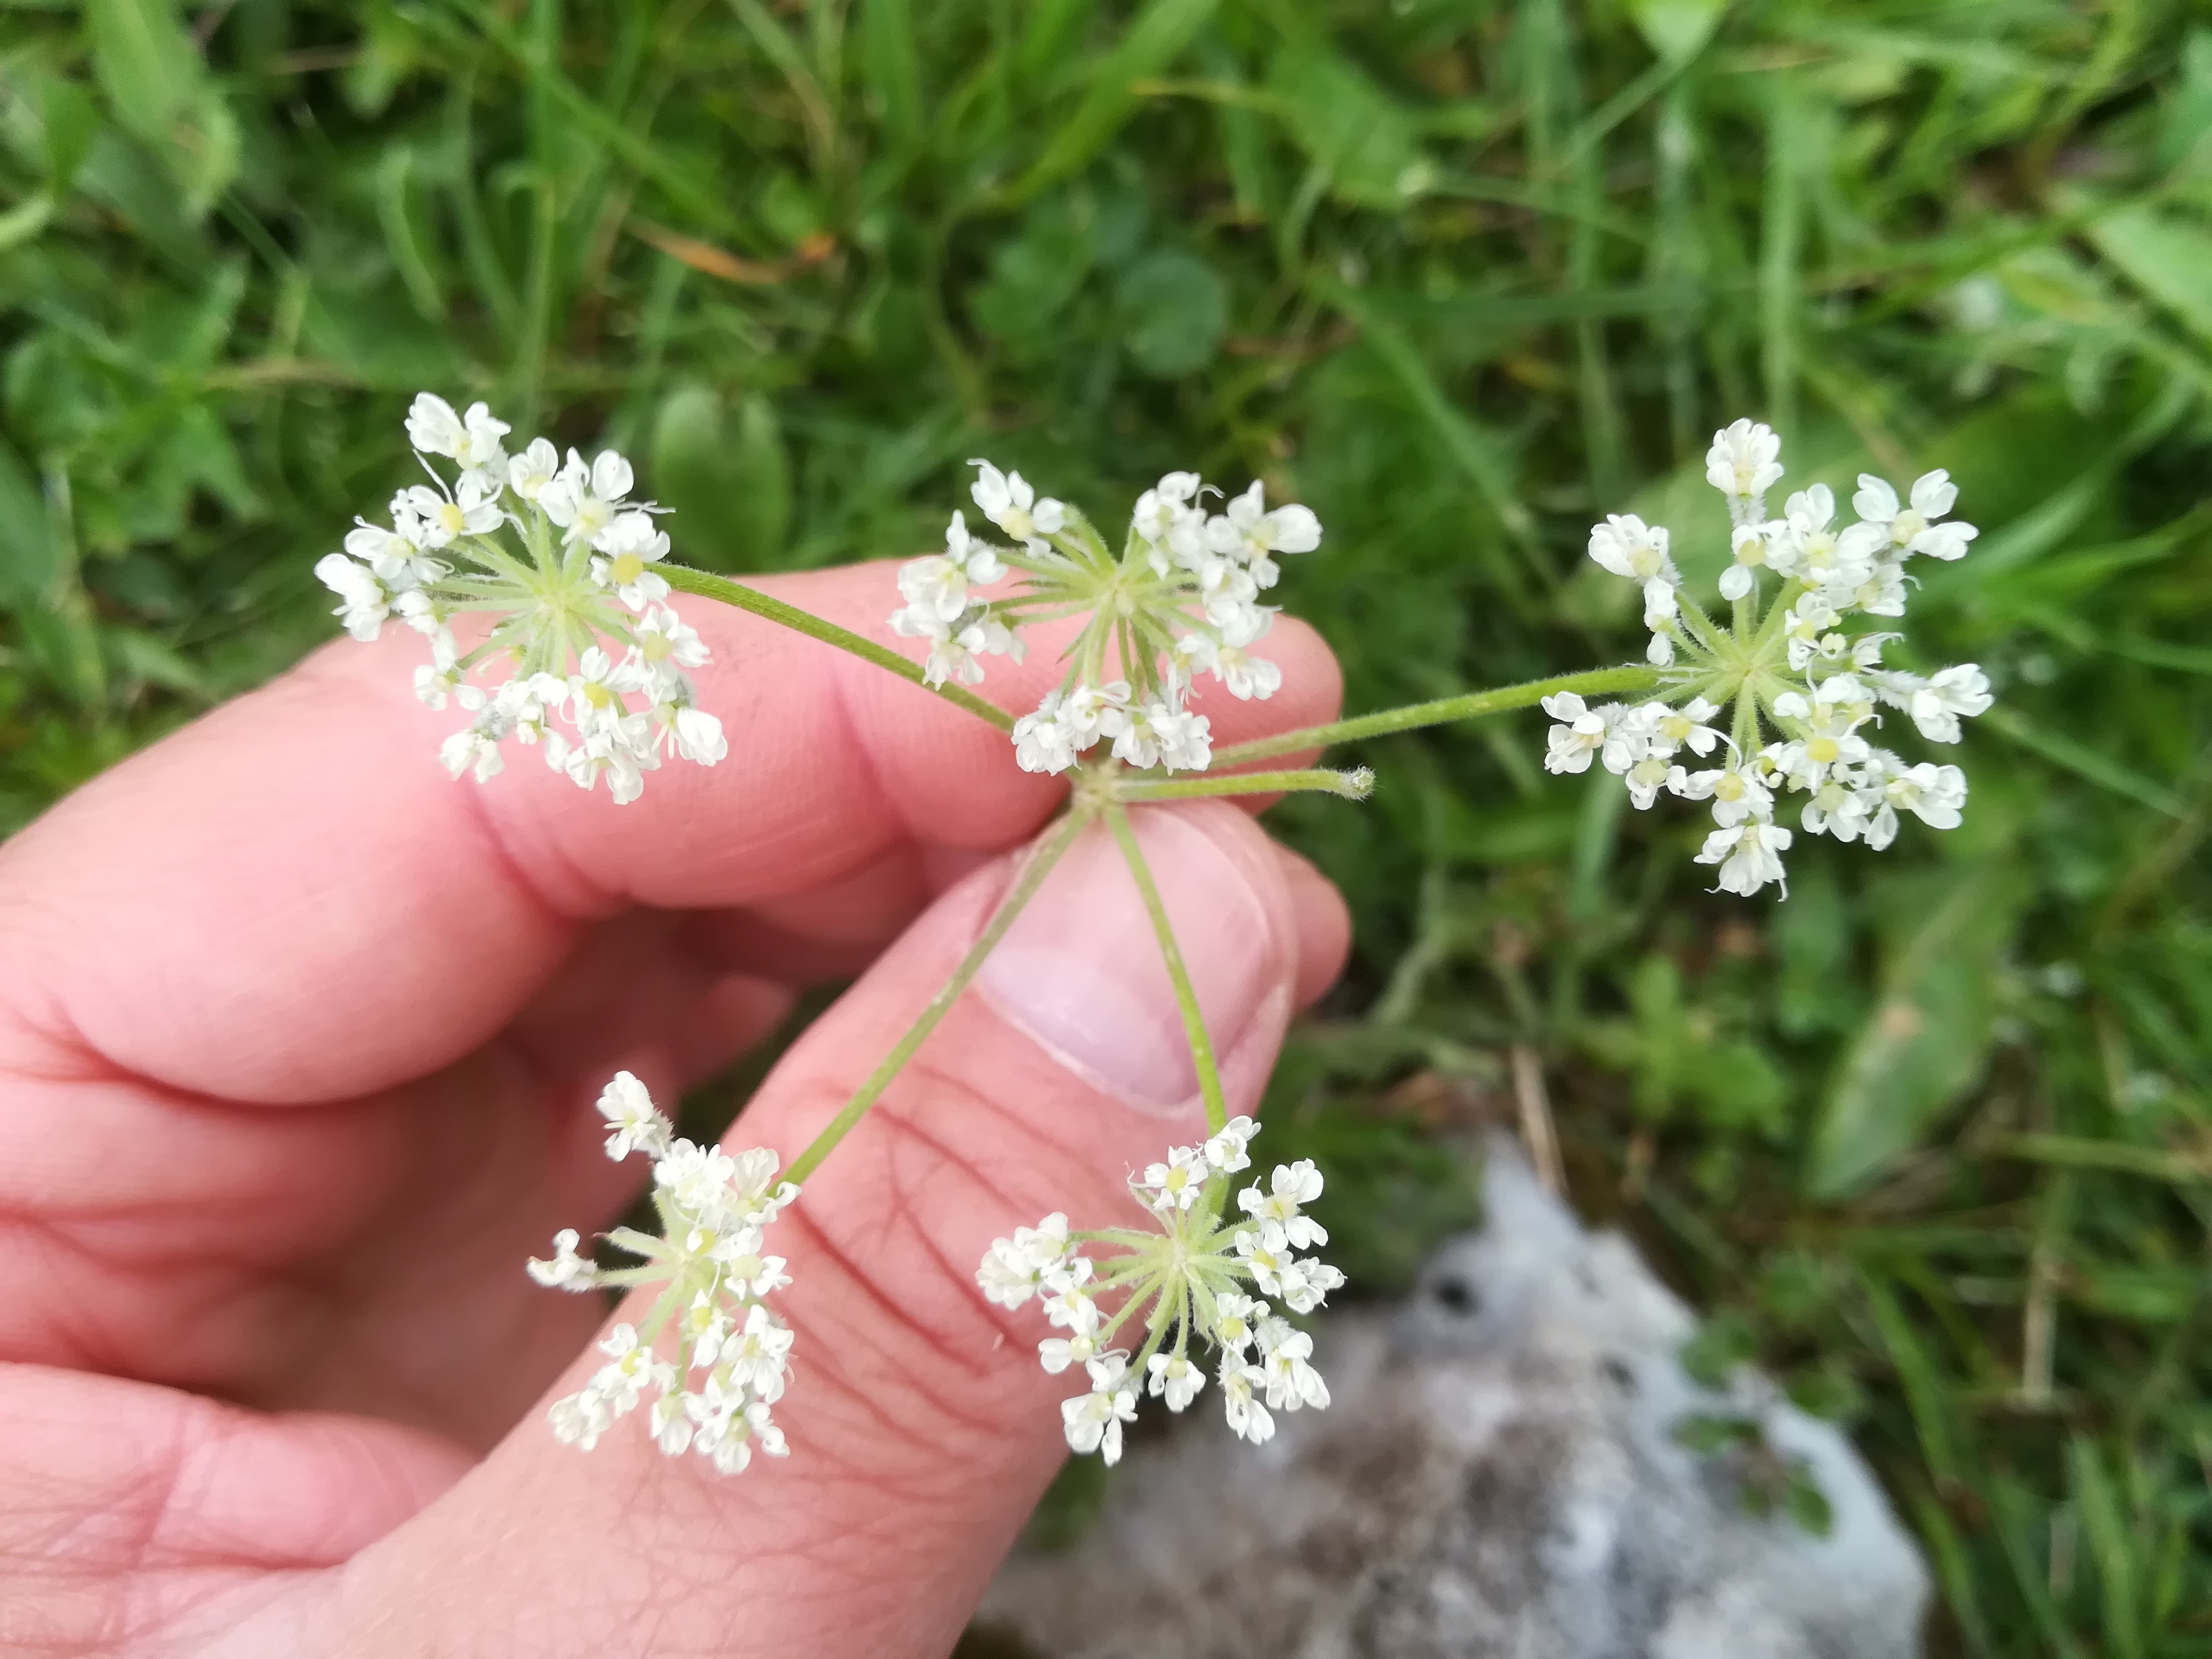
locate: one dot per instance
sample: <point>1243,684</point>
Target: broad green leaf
<point>64,640</point>
<point>69,120</point>
<point>1926,1393</point>
<point>1154,40</point>
<point>28,564</point>
<point>1174,309</point>
<point>727,476</point>
<point>157,87</point>
<point>1676,28</point>
<point>891,65</point>
<point>2168,257</point>
<point>391,50</point>
<point>1035,276</point>
<point>147,61</point>
<point>2113,1546</point>
<point>1811,936</point>
<point>22,222</point>
<point>1350,128</point>
<point>1922,1043</point>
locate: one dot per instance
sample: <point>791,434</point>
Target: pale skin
<point>298,1043</point>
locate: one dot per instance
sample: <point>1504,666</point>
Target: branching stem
<point>709,586</point>
<point>1046,855</point>
<point>1352,785</point>
<point>1193,1017</point>
<point>1467,705</point>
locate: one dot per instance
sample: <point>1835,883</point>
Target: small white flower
<point>1628,546</point>
<point>1160,734</point>
<point>638,1123</point>
<point>1227,655</point>
<point>1581,732</point>
<point>441,519</point>
<point>730,1425</point>
<point>530,471</point>
<point>566,1270</point>
<point>1177,1184</point>
<point>1057,1353</point>
<point>1174,1379</point>
<point>1933,794</point>
<point>1736,792</point>
<point>1041,743</point>
<point>1092,1421</point>
<point>622,1383</point>
<point>1949,693</point>
<point>1749,856</point>
<point>473,748</point>
<point>473,438</point>
<point>756,1354</point>
<point>663,641</point>
<point>1166,507</point>
<point>365,601</point>
<point>1743,463</point>
<point>1236,1320</point>
<point>1309,1287</point>
<point>1068,1301</point>
<point>434,686</point>
<point>1302,1284</point>
<point>397,555</point>
<point>1226,1151</point>
<point>1008,501</point>
<point>1913,527</point>
<point>681,728</point>
<point>938,583</point>
<point>1011,1267</point>
<point>629,546</point>
<point>579,1419</point>
<point>1292,1185</point>
<point>1840,808</point>
<point>1089,711</point>
<point>1248,1419</point>
<point>1291,1382</point>
<point>1672,729</point>
<point>585,498</point>
<point>1814,550</point>
<point>1246,532</point>
<point>670,1422</point>
<point>1748,542</point>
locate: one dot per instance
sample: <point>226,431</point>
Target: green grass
<point>1933,1139</point>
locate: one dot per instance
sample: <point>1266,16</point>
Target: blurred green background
<point>1931,1140</point>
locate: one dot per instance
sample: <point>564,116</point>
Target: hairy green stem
<point>1046,855</point>
<point>1193,1019</point>
<point>709,586</point>
<point>1467,705</point>
<point>1356,785</point>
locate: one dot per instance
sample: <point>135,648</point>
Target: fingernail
<point>1080,970</point>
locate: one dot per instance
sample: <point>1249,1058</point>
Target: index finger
<point>289,901</point>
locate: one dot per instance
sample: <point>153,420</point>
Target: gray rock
<point>1498,1475</point>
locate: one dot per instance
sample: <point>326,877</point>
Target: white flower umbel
<point>1806,692</point>
<point>1187,1280</point>
<point>711,1354</point>
<point>584,658</point>
<point>1181,599</point>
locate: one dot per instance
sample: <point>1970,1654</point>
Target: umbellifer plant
<point>546,597</point>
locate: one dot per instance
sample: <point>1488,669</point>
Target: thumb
<point>922,1430</point>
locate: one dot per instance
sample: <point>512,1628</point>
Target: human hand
<point>298,1044</point>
